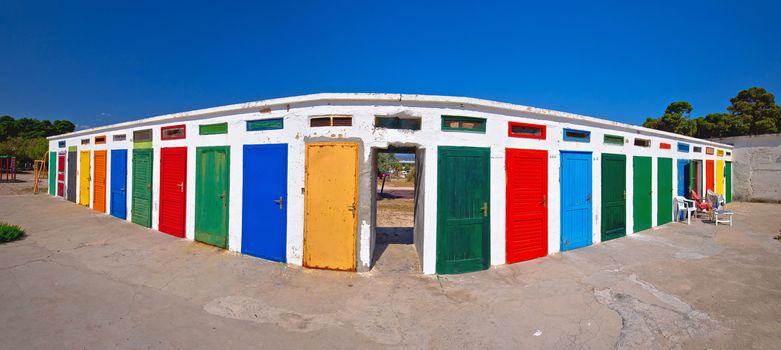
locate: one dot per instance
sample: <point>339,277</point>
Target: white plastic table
<point>723,216</point>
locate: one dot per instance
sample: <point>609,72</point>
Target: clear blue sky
<point>100,63</point>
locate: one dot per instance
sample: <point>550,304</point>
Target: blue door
<point>264,207</point>
<point>119,183</point>
<point>575,200</point>
<point>683,176</point>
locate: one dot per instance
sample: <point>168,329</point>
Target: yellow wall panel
<point>331,205</point>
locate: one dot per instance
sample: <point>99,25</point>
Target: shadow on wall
<point>756,167</point>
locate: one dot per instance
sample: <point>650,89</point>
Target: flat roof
<point>325,98</point>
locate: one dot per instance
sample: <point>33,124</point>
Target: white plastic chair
<point>686,206</point>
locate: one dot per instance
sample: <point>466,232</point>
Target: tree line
<point>751,112</point>
<point>25,138</point>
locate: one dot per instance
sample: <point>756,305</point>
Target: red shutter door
<point>527,207</point>
<point>708,177</point>
<point>173,190</point>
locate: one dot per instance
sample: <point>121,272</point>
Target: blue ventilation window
<point>61,144</point>
<point>683,147</point>
<point>577,135</point>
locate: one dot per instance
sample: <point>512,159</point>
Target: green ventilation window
<point>142,135</point>
<point>213,129</point>
<point>642,142</point>
<point>614,140</point>
<point>265,124</point>
<point>455,123</point>
<point>397,123</point>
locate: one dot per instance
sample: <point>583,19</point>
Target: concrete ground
<point>81,279</point>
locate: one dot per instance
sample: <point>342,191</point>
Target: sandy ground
<point>81,279</point>
<point>394,250</point>
<point>23,185</point>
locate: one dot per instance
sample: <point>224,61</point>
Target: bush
<point>10,232</point>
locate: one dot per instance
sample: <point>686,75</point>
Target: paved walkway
<point>82,279</point>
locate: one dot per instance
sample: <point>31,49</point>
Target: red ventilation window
<point>524,130</point>
<point>172,132</point>
<point>709,150</point>
<point>664,145</point>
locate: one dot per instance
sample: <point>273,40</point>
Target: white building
<point>293,179</point>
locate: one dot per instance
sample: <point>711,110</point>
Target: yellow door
<point>330,205</point>
<point>719,177</point>
<point>84,178</point>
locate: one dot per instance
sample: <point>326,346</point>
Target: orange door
<point>99,198</point>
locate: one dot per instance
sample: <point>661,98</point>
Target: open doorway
<point>396,197</point>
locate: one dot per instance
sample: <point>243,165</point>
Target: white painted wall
<point>296,112</point>
<point>756,172</point>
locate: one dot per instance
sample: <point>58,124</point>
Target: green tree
<point>675,119</point>
<point>386,162</point>
<point>756,107</point>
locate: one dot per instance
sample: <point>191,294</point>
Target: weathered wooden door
<point>84,177</point>
<point>212,195</point>
<point>463,212</point>
<point>664,191</point>
<point>527,204</point>
<point>52,173</point>
<point>641,199</point>
<point>728,181</point>
<point>119,183</point>
<point>719,174</point>
<point>264,208</point>
<point>331,205</point>
<point>708,177</point>
<point>613,196</point>
<point>99,192</point>
<point>72,178</point>
<point>576,200</point>
<point>61,175</point>
<point>173,190</point>
<point>141,212</point>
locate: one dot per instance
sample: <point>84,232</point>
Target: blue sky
<point>99,63</point>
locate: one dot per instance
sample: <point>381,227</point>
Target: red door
<point>527,204</point>
<point>173,187</point>
<point>61,174</point>
<point>708,176</point>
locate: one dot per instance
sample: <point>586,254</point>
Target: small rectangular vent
<point>642,142</point>
<point>524,130</point>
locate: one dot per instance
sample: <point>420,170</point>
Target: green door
<point>212,185</point>
<point>728,182</point>
<point>53,173</point>
<point>142,187</point>
<point>641,199</point>
<point>463,213</point>
<point>613,196</point>
<point>664,191</point>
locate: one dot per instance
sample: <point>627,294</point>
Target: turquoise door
<point>576,201</point>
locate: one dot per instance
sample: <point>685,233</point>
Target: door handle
<point>181,186</point>
<point>484,209</point>
<point>544,201</point>
<point>222,197</point>
<point>624,194</point>
<point>279,201</point>
<point>352,208</point>
<point>588,198</point>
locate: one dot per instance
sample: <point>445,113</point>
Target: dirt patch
<point>23,185</point>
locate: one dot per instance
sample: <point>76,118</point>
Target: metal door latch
<point>279,201</point>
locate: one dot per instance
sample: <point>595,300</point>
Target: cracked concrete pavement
<point>82,279</point>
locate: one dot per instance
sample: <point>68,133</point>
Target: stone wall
<point>756,172</point>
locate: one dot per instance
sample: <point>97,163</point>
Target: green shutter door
<point>212,184</point>
<point>463,213</point>
<point>641,198</point>
<point>142,187</point>
<point>52,173</point>
<point>664,193</point>
<point>728,175</point>
<point>613,196</point>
